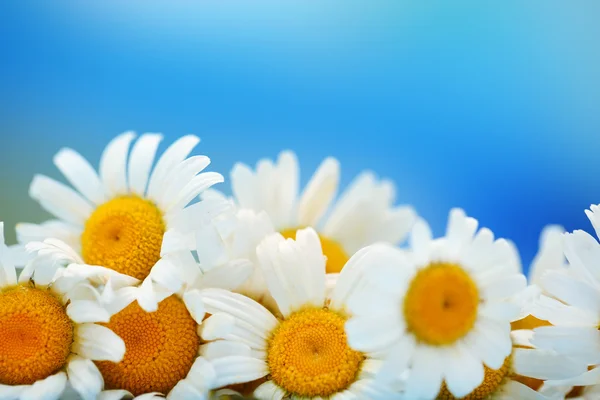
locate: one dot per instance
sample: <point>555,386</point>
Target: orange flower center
<point>160,348</point>
<point>36,335</point>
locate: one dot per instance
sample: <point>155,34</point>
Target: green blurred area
<point>16,205</point>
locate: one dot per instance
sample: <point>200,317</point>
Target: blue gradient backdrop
<point>491,106</point>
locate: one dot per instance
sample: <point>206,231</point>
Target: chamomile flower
<point>440,310</point>
<point>162,357</point>
<point>521,376</point>
<point>302,354</point>
<point>550,257</point>
<point>126,217</point>
<point>364,213</point>
<point>572,306</point>
<point>49,338</point>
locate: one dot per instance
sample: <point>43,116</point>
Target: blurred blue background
<point>489,106</point>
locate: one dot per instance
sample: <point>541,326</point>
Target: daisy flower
<point>49,337</point>
<point>572,306</point>
<point>441,310</point>
<point>550,257</point>
<point>364,213</point>
<point>162,347</point>
<point>128,215</point>
<point>304,354</point>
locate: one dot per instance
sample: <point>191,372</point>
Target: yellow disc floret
<point>308,354</point>
<point>441,304</point>
<point>492,381</point>
<point>335,253</point>
<point>124,234</point>
<point>160,348</point>
<point>35,335</point>
<point>529,322</point>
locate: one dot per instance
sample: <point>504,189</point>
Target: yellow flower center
<point>335,253</point>
<point>124,234</point>
<point>160,348</point>
<point>308,354</point>
<point>36,335</point>
<point>529,322</point>
<point>441,304</point>
<point>492,381</point>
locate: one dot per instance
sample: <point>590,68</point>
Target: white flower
<point>550,256</point>
<point>441,310</point>
<point>364,213</point>
<point>304,354</point>
<point>572,306</point>
<point>129,215</point>
<point>48,337</point>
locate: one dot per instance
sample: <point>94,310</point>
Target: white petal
<point>377,263</point>
<point>572,291</point>
<point>319,193</point>
<point>141,160</point>
<point>146,296</point>
<point>236,369</point>
<point>175,154</point>
<point>9,392</point>
<point>202,374</point>
<point>588,378</point>
<point>193,189</point>
<point>57,229</point>
<point>550,255</point>
<point>229,276</point>
<point>98,343</point>
<point>224,348</point>
<point>397,360</point>
<point>82,311</point>
<point>194,304</point>
<point>582,342</point>
<point>583,253</point>
<point>517,390</point>
<point>287,188</point>
<point>240,307</point>
<point>308,249</point>
<point>180,176</point>
<point>197,215</point>
<point>396,224</point>
<point>594,215</point>
<point>85,377</point>
<point>461,229</point>
<point>244,187</point>
<point>269,391</point>
<point>504,288</point>
<point>348,207</point>
<point>463,372</point>
<point>184,390</point>
<point>60,200</point>
<point>371,334</point>
<point>558,313</point>
<point>115,395</point>
<point>167,275</point>
<point>425,379</point>
<point>113,164</point>
<point>80,174</point>
<point>210,247</point>
<point>420,240</point>
<point>545,365</point>
<point>48,389</point>
<point>217,326</point>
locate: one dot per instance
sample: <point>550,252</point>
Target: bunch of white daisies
<point>151,284</point>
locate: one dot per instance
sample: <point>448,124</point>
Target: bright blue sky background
<point>486,105</point>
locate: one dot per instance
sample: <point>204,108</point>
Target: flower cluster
<point>149,283</point>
